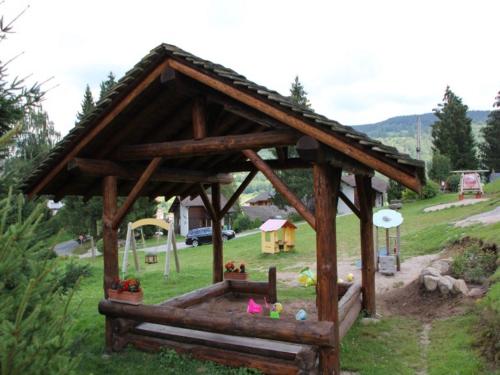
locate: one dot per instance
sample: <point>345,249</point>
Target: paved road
<point>66,248</point>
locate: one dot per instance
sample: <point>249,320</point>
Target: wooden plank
<point>199,113</point>
<point>365,198</point>
<point>280,186</point>
<point>238,192</point>
<point>217,243</point>
<point>207,146</point>
<point>224,357</point>
<point>350,318</point>
<point>270,348</point>
<point>105,121</point>
<point>326,188</point>
<point>249,287</point>
<point>110,239</point>
<point>345,147</point>
<point>136,191</point>
<point>198,296</point>
<point>101,168</point>
<point>349,203</point>
<point>307,332</point>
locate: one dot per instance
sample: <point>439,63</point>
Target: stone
<point>429,271</point>
<point>460,287</point>
<point>445,285</point>
<point>431,282</point>
<point>475,293</point>
<point>368,321</point>
<point>443,265</point>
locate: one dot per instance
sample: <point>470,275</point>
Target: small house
<point>263,199</point>
<point>348,187</point>
<point>277,235</point>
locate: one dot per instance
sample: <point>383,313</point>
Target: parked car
<point>200,236</point>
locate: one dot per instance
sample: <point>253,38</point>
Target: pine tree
<point>452,133</point>
<point>490,149</point>
<point>107,85</point>
<point>87,105</point>
<point>298,94</point>
<point>298,180</point>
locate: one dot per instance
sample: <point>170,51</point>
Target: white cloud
<point>360,61</point>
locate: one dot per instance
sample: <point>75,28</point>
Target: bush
<point>100,246</point>
<point>72,273</point>
<point>429,190</point>
<point>395,190</point>
<point>475,264</point>
<point>453,183</point>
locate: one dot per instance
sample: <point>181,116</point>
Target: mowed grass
<point>388,348</point>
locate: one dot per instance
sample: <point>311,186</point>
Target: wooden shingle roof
<point>140,108</point>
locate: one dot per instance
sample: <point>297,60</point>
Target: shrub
<point>395,190</point>
<point>241,223</point>
<point>429,190</point>
<point>475,264</point>
<point>453,183</point>
<point>72,273</point>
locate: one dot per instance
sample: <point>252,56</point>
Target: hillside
<point>400,131</point>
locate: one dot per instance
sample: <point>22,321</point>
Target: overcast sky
<point>360,61</point>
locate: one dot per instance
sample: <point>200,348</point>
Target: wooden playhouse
<point>176,124</point>
<point>277,235</point>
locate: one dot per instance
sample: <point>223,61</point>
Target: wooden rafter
<point>293,163</point>
<point>349,203</point>
<point>206,201</point>
<point>210,145</point>
<point>93,167</point>
<point>105,121</point>
<point>336,142</point>
<point>281,187</point>
<point>238,192</point>
<point>136,190</point>
<point>199,117</point>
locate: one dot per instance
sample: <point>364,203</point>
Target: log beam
<point>310,149</point>
<point>339,143</point>
<point>326,188</point>
<point>101,168</point>
<point>365,198</point>
<point>238,192</point>
<point>136,191</point>
<point>217,243</point>
<point>210,145</point>
<point>206,202</point>
<point>292,163</point>
<point>281,187</point>
<point>349,203</point>
<point>199,113</point>
<point>110,239</point>
<point>312,333</point>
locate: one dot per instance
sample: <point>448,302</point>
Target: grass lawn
<point>387,348</point>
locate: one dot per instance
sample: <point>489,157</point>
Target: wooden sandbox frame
<point>271,346</point>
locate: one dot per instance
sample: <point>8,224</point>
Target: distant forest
<point>400,131</point>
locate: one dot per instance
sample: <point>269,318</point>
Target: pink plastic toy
<point>253,307</point>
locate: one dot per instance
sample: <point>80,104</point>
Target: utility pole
<point>419,137</point>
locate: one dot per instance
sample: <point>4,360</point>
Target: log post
<point>365,198</point>
<point>326,188</point>
<point>110,239</point>
<point>217,236</point>
<point>199,118</point>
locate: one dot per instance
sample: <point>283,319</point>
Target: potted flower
<point>126,291</point>
<point>235,273</point>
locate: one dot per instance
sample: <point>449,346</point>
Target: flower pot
<point>235,275</point>
<point>132,298</point>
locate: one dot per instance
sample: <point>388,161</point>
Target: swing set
<point>130,242</point>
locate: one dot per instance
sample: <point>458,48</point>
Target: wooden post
<point>217,236</point>
<point>326,188</point>
<point>365,195</point>
<point>199,118</point>
<point>110,239</point>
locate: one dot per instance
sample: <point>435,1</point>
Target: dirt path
<point>490,217</point>
<point>464,202</point>
<point>410,270</point>
<point>424,344</point>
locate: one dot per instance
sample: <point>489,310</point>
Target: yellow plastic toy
<point>306,277</point>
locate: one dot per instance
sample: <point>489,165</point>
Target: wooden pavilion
<point>176,124</point>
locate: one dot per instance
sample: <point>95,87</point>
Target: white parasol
<point>387,219</point>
